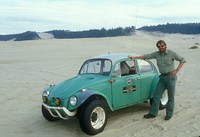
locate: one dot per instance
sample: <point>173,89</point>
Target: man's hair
<point>161,42</point>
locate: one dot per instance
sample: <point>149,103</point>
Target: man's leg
<point>157,96</point>
<point>171,92</point>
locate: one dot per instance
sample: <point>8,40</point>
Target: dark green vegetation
<point>188,28</point>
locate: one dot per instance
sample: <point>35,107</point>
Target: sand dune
<point>27,67</point>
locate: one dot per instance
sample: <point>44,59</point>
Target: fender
<point>83,96</point>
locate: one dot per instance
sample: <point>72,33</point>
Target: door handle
<point>111,81</point>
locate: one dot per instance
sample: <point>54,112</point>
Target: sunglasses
<point>161,46</point>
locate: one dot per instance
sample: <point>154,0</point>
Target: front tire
<point>93,117</point>
<point>47,115</point>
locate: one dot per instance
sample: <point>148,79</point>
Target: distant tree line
<point>93,33</point>
<point>64,34</point>
<point>188,28</point>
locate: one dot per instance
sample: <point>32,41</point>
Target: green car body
<point>113,79</point>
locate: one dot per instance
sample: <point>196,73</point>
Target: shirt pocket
<point>170,61</point>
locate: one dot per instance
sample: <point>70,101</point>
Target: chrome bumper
<point>56,109</point>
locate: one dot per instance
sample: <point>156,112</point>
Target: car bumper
<point>56,112</point>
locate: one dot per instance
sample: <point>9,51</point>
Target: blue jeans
<point>165,83</point>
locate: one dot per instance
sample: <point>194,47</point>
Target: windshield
<point>96,66</point>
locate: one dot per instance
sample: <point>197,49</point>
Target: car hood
<point>75,84</point>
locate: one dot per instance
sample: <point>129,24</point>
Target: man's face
<point>162,47</point>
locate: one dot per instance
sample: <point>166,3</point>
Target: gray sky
<point>18,16</point>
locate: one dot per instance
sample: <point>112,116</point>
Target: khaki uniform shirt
<point>165,61</point>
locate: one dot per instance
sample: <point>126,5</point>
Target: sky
<point>18,16</point>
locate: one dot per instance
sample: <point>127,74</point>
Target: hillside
<point>65,34</point>
<point>188,28</point>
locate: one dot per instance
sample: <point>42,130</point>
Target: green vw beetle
<point>104,83</point>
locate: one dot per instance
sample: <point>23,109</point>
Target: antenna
<point>136,18</point>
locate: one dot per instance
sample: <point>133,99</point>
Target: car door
<point>125,86</point>
<point>147,76</point>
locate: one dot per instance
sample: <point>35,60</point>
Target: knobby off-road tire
<point>47,115</point>
<point>93,117</point>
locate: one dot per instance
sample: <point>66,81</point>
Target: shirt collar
<point>164,53</point>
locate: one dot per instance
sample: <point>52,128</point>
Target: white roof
<point>114,56</point>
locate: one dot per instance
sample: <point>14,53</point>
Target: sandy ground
<point>27,67</point>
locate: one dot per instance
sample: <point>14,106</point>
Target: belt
<point>165,74</point>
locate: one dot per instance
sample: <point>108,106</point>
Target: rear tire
<point>93,117</point>
<point>163,100</point>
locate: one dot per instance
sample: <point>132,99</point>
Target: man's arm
<point>179,66</point>
<point>181,62</point>
<point>136,57</point>
<point>177,70</point>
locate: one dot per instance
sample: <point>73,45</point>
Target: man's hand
<point>131,57</point>
<point>176,70</point>
<point>173,73</point>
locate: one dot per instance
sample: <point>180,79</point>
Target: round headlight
<point>73,100</point>
<point>46,93</point>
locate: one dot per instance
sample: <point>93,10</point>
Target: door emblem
<point>129,89</point>
<point>129,81</point>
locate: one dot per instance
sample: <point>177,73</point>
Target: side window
<point>116,72</point>
<point>131,65</point>
<point>124,68</point>
<point>127,68</point>
<point>106,67</point>
<point>144,66</point>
